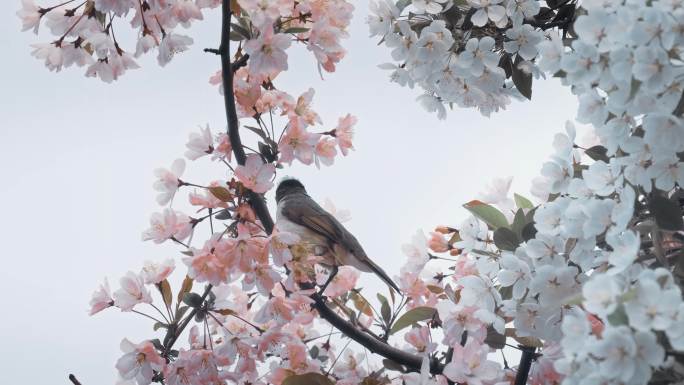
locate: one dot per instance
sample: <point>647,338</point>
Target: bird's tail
<point>381,273</point>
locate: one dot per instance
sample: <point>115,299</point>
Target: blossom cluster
<point>462,52</point>
<point>592,275</point>
<point>84,34</point>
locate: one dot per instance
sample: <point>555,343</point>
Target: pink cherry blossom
<point>102,298</point>
<point>206,199</point>
<point>154,273</point>
<point>469,364</point>
<point>301,112</point>
<point>325,151</point>
<point>168,181</point>
<point>30,15</point>
<point>132,292</point>
<point>438,243</point>
<point>255,175</point>
<point>344,133</point>
<point>200,144</point>
<point>51,54</point>
<point>139,362</point>
<point>266,11</point>
<point>170,45</point>
<point>342,283</point>
<point>297,143</point>
<point>263,276</point>
<point>267,55</point>
<point>420,339</point>
<point>208,264</point>
<point>185,12</point>
<point>280,243</point>
<point>111,67</point>
<point>223,150</point>
<point>167,225</point>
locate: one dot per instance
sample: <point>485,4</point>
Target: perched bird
<point>299,214</point>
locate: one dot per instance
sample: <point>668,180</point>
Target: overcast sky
<point>77,157</point>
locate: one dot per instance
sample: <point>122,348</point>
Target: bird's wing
<point>306,212</point>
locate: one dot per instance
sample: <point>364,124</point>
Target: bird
<point>299,214</point>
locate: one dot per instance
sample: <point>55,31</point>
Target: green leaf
<point>488,214</point>
<point>529,231</point>
<point>157,344</point>
<point>165,289</point>
<point>521,79</point>
<point>597,152</point>
<point>159,325</point>
<point>519,222</point>
<point>618,317</point>
<point>385,310</point>
<point>307,379</point>
<point>505,239</point>
<point>667,213</point>
<point>192,299</point>
<point>234,36</point>
<point>413,316</point>
<point>522,202</point>
<point>241,30</point>
<point>296,30</point>
<point>313,352</point>
<point>181,312</point>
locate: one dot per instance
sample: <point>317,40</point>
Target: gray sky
<point>77,157</point>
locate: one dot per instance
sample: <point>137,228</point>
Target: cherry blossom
<point>267,52</point>
<point>139,362</point>
<point>102,298</point>
<point>256,175</point>
<point>154,273</point>
<point>200,144</point>
<point>169,181</point>
<point>169,224</point>
<point>131,293</point>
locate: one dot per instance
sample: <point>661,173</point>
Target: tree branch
<point>528,355</point>
<point>74,380</point>
<point>257,201</point>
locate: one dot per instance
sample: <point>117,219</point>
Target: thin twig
<point>74,380</point>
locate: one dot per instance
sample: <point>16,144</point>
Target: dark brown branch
<point>257,201</point>
<point>74,380</point>
<point>528,355</point>
<point>374,345</point>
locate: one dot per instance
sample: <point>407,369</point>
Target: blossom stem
<point>160,312</point>
<point>146,315</point>
<point>337,358</point>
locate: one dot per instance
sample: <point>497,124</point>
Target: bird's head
<point>289,186</point>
